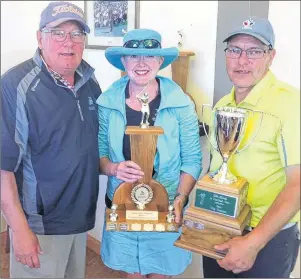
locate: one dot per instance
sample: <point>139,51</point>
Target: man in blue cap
<point>271,164</point>
<point>49,162</point>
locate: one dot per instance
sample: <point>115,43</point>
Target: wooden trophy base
<point>152,218</point>
<point>127,225</point>
<point>218,213</point>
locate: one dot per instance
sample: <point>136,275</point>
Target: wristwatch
<point>183,195</point>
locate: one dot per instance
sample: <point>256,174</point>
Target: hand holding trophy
<point>143,205</point>
<point>219,210</point>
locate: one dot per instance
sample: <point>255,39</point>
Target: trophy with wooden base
<point>142,206</point>
<point>219,210</point>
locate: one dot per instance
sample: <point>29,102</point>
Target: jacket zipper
<point>78,105</point>
<point>80,110</point>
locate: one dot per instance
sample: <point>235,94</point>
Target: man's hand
<point>241,254</point>
<point>26,248</point>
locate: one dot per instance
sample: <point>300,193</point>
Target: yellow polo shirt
<point>276,146</point>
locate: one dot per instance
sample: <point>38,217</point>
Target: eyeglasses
<point>252,53</point>
<point>61,35</point>
<point>148,43</point>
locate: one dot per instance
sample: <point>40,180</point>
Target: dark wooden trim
<point>5,239</point>
<point>93,244</point>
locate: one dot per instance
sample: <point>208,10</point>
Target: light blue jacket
<point>178,149</point>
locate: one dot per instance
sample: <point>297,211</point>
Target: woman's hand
<point>179,204</point>
<point>128,171</point>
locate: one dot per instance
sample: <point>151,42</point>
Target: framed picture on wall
<point>109,21</point>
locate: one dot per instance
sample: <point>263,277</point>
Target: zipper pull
<point>80,110</point>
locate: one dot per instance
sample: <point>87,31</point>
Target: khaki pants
<point>64,256</point>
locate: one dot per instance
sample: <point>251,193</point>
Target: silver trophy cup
<point>228,130</point>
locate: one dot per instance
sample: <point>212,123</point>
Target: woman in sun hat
<point>177,163</point>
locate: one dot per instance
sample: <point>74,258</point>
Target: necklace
<point>58,76</point>
<point>133,97</point>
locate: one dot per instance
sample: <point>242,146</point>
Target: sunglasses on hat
<point>147,43</point>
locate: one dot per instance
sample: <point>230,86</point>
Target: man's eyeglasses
<point>252,53</point>
<point>148,43</point>
<point>61,35</point>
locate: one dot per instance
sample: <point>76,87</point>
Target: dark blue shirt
<point>49,140</point>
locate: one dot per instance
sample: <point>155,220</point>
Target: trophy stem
<point>223,175</point>
<point>143,148</point>
<point>140,206</point>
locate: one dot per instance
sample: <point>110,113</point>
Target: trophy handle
<point>206,105</point>
<point>260,123</point>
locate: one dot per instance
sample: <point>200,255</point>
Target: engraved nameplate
<point>188,223</point>
<point>216,202</point>
<point>142,215</point>
<point>123,226</point>
<point>160,227</point>
<point>148,227</point>
<point>199,226</point>
<point>136,227</point>
<point>111,226</point>
<point>171,228</point>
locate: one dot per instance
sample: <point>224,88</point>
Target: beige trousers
<point>64,256</point>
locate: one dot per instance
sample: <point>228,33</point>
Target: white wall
<point>285,18</point>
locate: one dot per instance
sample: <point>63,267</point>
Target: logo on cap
<point>247,24</point>
<point>66,9</point>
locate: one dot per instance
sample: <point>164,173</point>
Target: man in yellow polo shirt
<point>271,163</point>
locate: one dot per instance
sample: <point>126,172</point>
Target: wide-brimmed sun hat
<point>141,42</point>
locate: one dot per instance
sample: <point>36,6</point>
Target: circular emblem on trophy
<point>141,195</point>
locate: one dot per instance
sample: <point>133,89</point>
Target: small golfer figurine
<point>113,214</point>
<point>144,109</point>
<point>170,217</point>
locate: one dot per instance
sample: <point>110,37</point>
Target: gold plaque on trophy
<point>143,205</point>
<point>219,210</point>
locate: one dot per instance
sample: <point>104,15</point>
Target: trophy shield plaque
<point>219,210</point>
<point>144,205</point>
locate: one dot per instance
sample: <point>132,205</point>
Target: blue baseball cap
<point>58,12</point>
<point>257,27</point>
